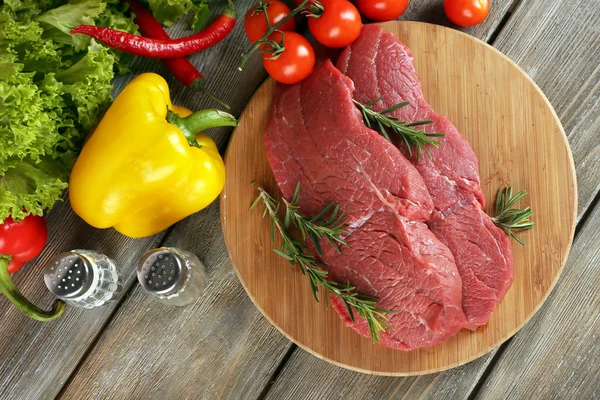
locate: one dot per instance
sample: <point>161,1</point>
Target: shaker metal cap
<point>68,275</point>
<point>160,271</point>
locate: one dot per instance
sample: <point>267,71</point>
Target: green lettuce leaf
<point>114,17</point>
<point>58,22</point>
<point>33,117</point>
<point>28,188</point>
<point>29,8</point>
<point>28,113</point>
<point>53,90</point>
<point>167,12</point>
<point>24,40</point>
<point>201,15</point>
<point>89,84</point>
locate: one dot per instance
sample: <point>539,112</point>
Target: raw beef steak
<point>380,65</point>
<point>316,136</point>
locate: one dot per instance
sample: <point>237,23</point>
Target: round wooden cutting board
<point>519,141</point>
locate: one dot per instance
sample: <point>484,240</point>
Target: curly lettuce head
<point>54,88</point>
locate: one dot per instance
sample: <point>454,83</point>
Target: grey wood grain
<point>558,44</point>
<point>309,378</point>
<point>220,347</point>
<point>36,358</point>
<point>557,355</point>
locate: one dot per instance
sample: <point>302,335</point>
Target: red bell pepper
<point>20,242</point>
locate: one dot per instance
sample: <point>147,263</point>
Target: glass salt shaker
<point>83,278</point>
<point>173,276</point>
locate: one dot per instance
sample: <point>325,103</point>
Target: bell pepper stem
<point>8,288</point>
<point>200,121</point>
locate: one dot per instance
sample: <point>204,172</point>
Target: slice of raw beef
<point>316,136</point>
<point>381,66</point>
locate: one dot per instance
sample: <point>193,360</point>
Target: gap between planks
<point>488,370</point>
<point>277,372</point>
<point>496,32</point>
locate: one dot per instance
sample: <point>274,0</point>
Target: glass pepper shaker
<point>83,278</point>
<point>173,276</point>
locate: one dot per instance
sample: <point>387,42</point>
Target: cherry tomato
<point>295,63</point>
<point>255,23</point>
<point>467,12</point>
<point>339,24</point>
<point>382,10</point>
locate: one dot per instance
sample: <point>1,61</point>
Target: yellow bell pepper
<point>145,167</point>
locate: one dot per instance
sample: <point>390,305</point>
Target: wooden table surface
<point>222,347</point>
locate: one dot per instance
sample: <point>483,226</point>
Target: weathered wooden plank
<point>36,358</point>
<point>557,355</point>
<point>220,347</point>
<point>135,365</point>
<point>307,377</point>
<point>558,44</point>
<point>573,91</point>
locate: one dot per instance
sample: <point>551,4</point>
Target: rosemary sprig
<point>316,228</point>
<point>412,137</point>
<point>293,250</point>
<point>508,218</point>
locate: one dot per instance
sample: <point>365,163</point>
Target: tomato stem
<point>272,29</point>
<point>263,8</point>
<point>314,10</point>
<point>273,47</point>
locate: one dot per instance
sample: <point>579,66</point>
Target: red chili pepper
<point>20,242</point>
<point>164,48</point>
<point>181,68</point>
